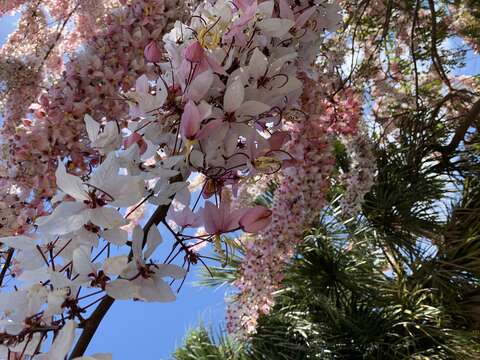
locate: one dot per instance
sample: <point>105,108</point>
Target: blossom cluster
<point>109,61</point>
<point>360,176</point>
<point>224,100</point>
<point>297,202</point>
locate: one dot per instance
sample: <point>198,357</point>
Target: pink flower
<point>256,219</point>
<point>190,123</point>
<point>219,220</point>
<point>184,218</point>
<point>241,23</point>
<point>194,52</point>
<point>152,52</point>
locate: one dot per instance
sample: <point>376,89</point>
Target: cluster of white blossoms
<point>229,78</point>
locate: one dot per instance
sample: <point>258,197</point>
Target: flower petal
<point>70,184</point>
<point>107,217</point>
<point>275,27</point>
<point>233,96</point>
<point>252,108</point>
<point>256,219</point>
<point>153,240</point>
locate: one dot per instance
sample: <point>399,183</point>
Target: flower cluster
<point>224,101</point>
<point>109,61</point>
<point>361,173</point>
<point>298,200</point>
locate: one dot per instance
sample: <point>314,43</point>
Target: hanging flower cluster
<point>360,177</point>
<point>224,101</point>
<point>297,202</point>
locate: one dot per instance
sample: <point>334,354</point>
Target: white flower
<point>104,187</point>
<point>145,104</point>
<point>62,343</point>
<point>104,139</point>
<point>146,282</point>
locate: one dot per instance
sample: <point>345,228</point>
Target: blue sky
<point>151,331</point>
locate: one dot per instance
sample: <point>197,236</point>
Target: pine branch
<point>469,118</point>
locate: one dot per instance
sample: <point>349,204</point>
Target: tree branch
<point>469,118</point>
<point>6,265</point>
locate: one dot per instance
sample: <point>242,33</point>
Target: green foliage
<point>199,344</point>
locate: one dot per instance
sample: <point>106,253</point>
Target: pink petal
<point>135,138</point>
<point>256,219</point>
<point>194,52</point>
<point>277,140</point>
<point>303,18</point>
<point>209,128</point>
<point>152,52</point>
<point>190,122</point>
<point>216,68</point>
<point>285,10</point>
<point>211,218</point>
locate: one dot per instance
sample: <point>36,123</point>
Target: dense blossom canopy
<point>127,121</point>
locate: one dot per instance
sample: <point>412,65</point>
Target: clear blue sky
<point>136,330</point>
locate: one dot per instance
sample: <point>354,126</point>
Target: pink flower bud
<point>190,123</point>
<point>194,52</point>
<point>256,219</point>
<point>152,52</point>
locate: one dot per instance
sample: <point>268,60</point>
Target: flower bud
<point>152,52</point>
<point>194,52</point>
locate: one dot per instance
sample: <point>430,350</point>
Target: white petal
<point>253,108</point>
<point>258,64</point>
<point>292,84</point>
<point>93,127</point>
<point>67,217</point>
<point>115,265</point>
<point>205,109</point>
<point>62,343</point>
<point>153,240</point>
<point>81,261</point>
<point>170,270</point>
<point>126,190</point>
<point>115,236</point>
<point>183,196</point>
<point>276,66</point>
<point>121,289</point>
<point>165,293</point>
<point>55,300</point>
<point>70,184</point>
<point>107,217</point>
<point>107,170</point>
<point>233,96</point>
<point>275,26</point>
<point>200,86</point>
<point>155,289</point>
<point>28,347</point>
<point>162,93</point>
<point>141,85</point>
<point>265,8</point>
<point>196,159</point>
<point>19,242</point>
